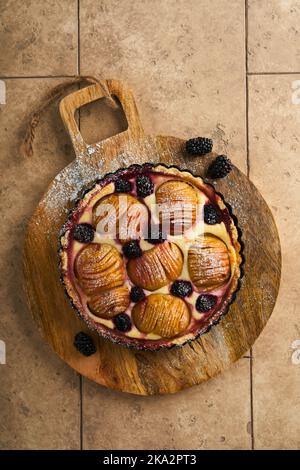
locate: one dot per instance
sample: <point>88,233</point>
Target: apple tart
<point>150,256</point>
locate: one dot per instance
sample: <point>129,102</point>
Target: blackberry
<point>83,233</point>
<point>84,344</point>
<point>137,294</point>
<point>144,186</point>
<point>156,235</point>
<point>199,146</point>
<point>132,249</point>
<point>122,186</point>
<point>220,167</point>
<point>181,288</point>
<point>122,322</point>
<point>205,302</point>
<point>212,216</point>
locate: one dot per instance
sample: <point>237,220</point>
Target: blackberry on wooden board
<point>199,146</point>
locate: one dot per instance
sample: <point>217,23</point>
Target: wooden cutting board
<point>146,373</point>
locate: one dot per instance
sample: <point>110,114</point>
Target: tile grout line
<point>80,377</point>
<point>247,94</point>
<point>78,37</point>
<point>271,73</point>
<point>247,74</point>
<point>247,127</point>
<point>251,400</point>
<point>36,77</point>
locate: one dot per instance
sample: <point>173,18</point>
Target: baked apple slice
<point>109,303</point>
<point>99,267</point>
<point>208,262</point>
<point>120,216</point>
<point>177,202</point>
<point>161,314</point>
<point>156,267</point>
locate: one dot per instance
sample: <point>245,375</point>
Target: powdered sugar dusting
<point>69,184</point>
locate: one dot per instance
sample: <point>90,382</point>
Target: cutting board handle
<point>75,100</point>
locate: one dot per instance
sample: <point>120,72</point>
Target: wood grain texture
<point>114,366</point>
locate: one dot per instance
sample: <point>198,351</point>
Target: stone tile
<point>38,37</point>
<point>214,415</point>
<point>194,58</point>
<point>273,35</point>
<point>274,167</point>
<point>39,394</point>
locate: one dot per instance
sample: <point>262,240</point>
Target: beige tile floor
<point>186,61</point>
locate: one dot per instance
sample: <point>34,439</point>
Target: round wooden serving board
<point>165,371</point>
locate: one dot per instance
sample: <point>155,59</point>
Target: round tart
<point>150,257</point>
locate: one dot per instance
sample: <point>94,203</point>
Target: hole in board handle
<point>99,120</point>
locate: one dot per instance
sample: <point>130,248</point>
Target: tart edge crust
<point>136,344</point>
